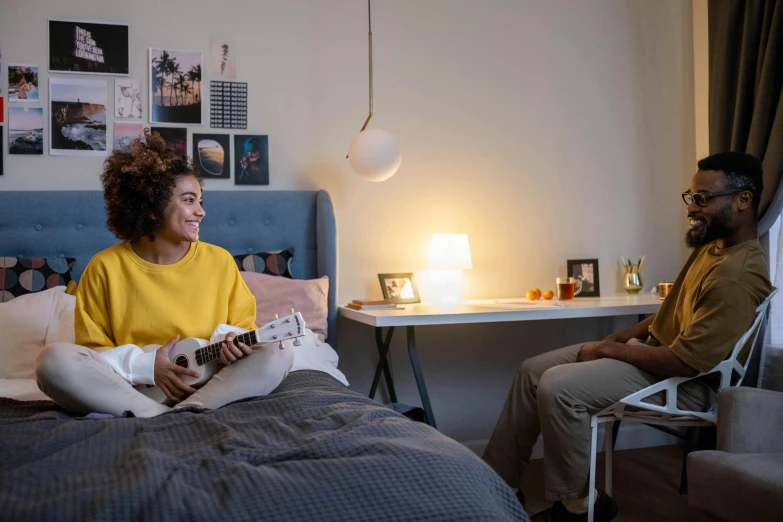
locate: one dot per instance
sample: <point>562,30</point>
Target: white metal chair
<point>731,374</point>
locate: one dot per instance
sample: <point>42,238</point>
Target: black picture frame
<point>80,51</point>
<point>391,281</point>
<point>575,270</point>
<point>206,164</point>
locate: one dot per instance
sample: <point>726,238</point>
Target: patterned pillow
<point>21,275</point>
<point>277,263</point>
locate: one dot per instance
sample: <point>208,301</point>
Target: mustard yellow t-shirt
<point>123,299</point>
<point>713,303</point>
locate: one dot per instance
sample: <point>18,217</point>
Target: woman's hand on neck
<point>161,251</point>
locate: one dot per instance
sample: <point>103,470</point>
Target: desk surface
<point>503,310</point>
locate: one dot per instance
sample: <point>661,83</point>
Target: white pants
<point>77,379</point>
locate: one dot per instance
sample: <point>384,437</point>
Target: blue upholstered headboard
<point>73,224</point>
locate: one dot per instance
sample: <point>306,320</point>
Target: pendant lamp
<point>373,154</point>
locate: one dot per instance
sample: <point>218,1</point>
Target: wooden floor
<point>646,485</point>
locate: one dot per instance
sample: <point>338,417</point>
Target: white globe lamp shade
<point>374,155</point>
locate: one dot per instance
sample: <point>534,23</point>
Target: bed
<point>311,450</point>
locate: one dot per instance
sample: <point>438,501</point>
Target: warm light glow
<point>374,155</point>
<point>450,251</point>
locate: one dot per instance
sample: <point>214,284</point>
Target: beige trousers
<point>77,379</point>
<point>555,396</point>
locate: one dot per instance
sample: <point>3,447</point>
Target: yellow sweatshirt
<point>126,302</point>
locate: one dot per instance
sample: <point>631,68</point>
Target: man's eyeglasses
<point>701,198</point>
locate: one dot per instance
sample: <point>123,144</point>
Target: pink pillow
<point>277,295</point>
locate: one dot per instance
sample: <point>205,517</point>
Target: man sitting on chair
<point>711,305</point>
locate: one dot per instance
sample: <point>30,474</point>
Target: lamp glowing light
<point>450,252</point>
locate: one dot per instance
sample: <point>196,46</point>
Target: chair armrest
<point>750,420</point>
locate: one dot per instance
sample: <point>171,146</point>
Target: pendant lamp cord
<point>369,44</point>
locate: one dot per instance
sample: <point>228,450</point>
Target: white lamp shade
<point>450,251</point>
<point>374,155</point>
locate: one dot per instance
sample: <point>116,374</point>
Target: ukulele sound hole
<point>181,360</point>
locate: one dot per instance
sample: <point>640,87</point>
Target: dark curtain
<point>746,89</point>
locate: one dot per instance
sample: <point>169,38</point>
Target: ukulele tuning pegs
<point>292,310</point>
<point>281,345</point>
<point>277,317</point>
<point>297,342</point>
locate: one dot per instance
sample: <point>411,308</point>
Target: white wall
<point>545,130</point>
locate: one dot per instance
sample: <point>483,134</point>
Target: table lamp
<point>449,256</point>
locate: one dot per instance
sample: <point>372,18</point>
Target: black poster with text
<point>88,47</point>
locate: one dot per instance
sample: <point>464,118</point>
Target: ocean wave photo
<point>25,141</point>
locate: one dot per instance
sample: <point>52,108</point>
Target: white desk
<point>482,311</point>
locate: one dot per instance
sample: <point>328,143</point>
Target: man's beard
<point>717,230</point>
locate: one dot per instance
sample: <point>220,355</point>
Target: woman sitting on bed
<point>161,283</point>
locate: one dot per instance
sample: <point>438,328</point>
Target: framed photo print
<point>82,47</point>
<point>587,271</point>
<point>175,86</point>
<point>399,288</point>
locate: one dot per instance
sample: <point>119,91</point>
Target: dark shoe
<point>605,510</point>
<point>521,498</point>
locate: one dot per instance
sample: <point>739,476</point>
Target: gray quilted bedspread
<point>310,451</point>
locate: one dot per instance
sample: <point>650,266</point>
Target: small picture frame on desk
<point>585,270</point>
<point>399,288</point>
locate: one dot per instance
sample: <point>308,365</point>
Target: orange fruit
<point>531,295</point>
<point>549,294</point>
<point>538,292</point>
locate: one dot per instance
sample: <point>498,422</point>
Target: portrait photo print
<point>251,159</point>
<point>399,288</point>
<point>175,86</point>
<point>585,270</point>
<point>88,47</point>
<point>23,83</point>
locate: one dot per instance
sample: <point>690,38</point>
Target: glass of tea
<point>568,288</point>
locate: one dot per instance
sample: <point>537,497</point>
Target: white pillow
<point>24,322</point>
<point>61,328</point>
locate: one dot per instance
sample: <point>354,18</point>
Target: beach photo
<point>124,133</point>
<point>78,117</point>
<point>25,130</point>
<point>88,47</point>
<point>127,98</point>
<point>22,82</point>
<point>175,86</point>
<point>212,155</point>
<point>251,159</point>
<point>176,139</point>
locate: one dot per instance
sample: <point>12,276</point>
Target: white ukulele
<point>202,357</point>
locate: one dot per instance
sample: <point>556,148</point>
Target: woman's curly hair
<point>138,184</point>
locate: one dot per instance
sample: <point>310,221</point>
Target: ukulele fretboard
<point>212,352</point>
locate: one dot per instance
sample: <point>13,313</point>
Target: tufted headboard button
<point>79,226</point>
<point>249,250</point>
<point>267,222</point>
<point>38,227</point>
<point>231,222</point>
<point>61,255</point>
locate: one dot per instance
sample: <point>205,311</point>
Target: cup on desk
<point>567,288</point>
<point>663,289</point>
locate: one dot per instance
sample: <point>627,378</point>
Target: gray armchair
<point>743,479</point>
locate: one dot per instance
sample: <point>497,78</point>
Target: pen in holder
<point>633,282</point>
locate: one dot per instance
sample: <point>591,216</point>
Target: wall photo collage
<point>80,115</point>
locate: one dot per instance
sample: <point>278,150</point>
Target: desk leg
<point>383,364</point>
<point>425,398</point>
<point>642,317</point>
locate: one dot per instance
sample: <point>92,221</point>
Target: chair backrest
<point>731,364</point>
<point>670,413</point>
